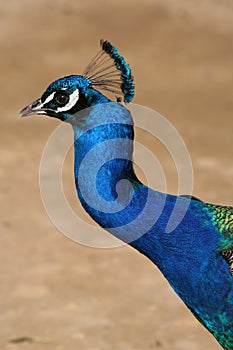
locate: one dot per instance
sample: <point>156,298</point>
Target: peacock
<point>196,255</point>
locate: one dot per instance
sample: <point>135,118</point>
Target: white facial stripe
<point>49,98</point>
<point>38,106</point>
<point>72,101</point>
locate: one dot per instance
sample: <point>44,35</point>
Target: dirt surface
<point>55,294</point>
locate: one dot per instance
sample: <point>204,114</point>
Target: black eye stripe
<point>61,100</point>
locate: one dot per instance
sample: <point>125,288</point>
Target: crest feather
<point>109,71</point>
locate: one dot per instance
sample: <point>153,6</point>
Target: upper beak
<point>35,107</point>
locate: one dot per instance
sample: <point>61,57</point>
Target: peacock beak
<point>35,107</point>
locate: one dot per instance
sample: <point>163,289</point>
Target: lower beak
<point>35,107</point>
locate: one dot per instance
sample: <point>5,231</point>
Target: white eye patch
<point>73,98</point>
<point>49,98</point>
<point>72,101</point>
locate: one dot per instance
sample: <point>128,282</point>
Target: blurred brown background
<point>55,294</point>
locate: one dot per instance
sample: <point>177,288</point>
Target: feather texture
<point>197,256</point>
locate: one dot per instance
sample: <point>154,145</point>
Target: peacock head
<point>64,98</point>
<point>67,96</point>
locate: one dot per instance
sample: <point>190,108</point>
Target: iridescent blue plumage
<point>196,256</point>
<point>109,71</point>
<point>126,76</point>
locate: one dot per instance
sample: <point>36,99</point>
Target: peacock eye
<point>61,97</point>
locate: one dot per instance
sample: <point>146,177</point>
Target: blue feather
<point>196,257</point>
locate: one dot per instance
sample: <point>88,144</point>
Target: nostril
<point>36,103</point>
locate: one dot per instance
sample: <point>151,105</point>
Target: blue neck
<point>113,196</point>
<point>106,183</point>
<point>104,174</point>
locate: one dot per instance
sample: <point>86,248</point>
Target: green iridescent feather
<point>197,257</point>
<point>222,219</point>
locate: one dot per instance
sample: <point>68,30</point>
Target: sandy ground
<point>55,294</point>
